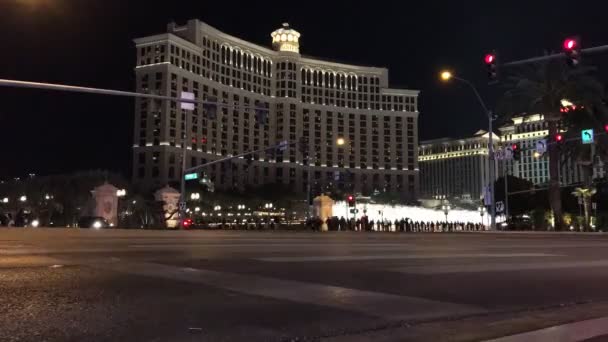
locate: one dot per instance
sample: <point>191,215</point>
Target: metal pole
<point>490,149</point>
<point>506,175</point>
<point>492,172</point>
<point>554,56</point>
<point>182,196</point>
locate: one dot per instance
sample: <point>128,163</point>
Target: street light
<point>340,142</point>
<point>268,205</point>
<point>217,208</point>
<point>23,198</point>
<point>447,76</point>
<point>446,209</point>
<point>5,200</point>
<point>195,196</point>
<point>121,193</point>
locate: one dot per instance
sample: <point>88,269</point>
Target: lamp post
<point>340,142</point>
<point>446,209</point>
<point>447,76</point>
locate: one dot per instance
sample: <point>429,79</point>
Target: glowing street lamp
<point>195,196</point>
<point>5,200</point>
<point>23,198</point>
<point>340,142</point>
<point>446,75</point>
<point>121,193</point>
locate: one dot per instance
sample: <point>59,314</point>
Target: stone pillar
<point>323,208</point>
<point>106,203</point>
<point>170,199</point>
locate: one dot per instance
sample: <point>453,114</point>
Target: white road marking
<point>367,302</point>
<point>490,267</point>
<point>402,256</point>
<point>571,332</point>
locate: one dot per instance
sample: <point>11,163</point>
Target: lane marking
<point>491,267</point>
<point>577,331</point>
<point>378,304</point>
<point>402,256</point>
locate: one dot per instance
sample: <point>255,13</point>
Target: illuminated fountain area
<point>397,212</point>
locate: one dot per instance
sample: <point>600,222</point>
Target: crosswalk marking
<point>572,332</point>
<point>401,256</point>
<point>489,267</point>
<point>368,302</point>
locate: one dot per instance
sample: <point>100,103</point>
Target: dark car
<point>518,223</point>
<point>93,222</point>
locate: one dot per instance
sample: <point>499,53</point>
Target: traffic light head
<point>351,200</point>
<point>570,44</point>
<point>516,151</point>
<point>559,138</point>
<point>572,51</point>
<point>490,60</point>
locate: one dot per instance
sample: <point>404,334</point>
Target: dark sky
<point>89,43</point>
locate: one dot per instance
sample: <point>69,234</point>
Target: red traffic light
<point>559,137</point>
<point>570,44</point>
<point>350,198</point>
<point>489,59</point>
<point>513,147</point>
<point>606,127</point>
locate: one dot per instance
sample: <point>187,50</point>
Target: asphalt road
<point>128,285</point>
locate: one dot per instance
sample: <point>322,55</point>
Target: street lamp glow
<point>23,198</point>
<point>5,200</point>
<point>340,141</point>
<point>446,75</point>
<point>195,196</point>
<point>121,193</point>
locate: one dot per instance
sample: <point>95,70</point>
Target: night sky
<point>89,43</point>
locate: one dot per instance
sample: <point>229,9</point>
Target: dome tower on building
<point>286,39</point>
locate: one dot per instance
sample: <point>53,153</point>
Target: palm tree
<point>585,194</point>
<point>540,88</point>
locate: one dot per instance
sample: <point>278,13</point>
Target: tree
<point>540,88</point>
<point>585,195</point>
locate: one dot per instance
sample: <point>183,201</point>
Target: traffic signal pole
<point>492,161</point>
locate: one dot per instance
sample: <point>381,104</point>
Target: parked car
<point>93,222</point>
<point>523,222</point>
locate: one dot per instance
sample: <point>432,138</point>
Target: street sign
<point>182,206</point>
<point>500,207</point>
<point>587,136</point>
<point>191,176</point>
<point>541,146</point>
<point>187,96</point>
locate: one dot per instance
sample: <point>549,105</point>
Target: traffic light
<point>210,108</point>
<point>303,145</point>
<point>572,50</point>
<point>606,128</point>
<point>491,64</point>
<point>351,200</point>
<point>558,138</point>
<point>261,113</point>
<point>515,148</point>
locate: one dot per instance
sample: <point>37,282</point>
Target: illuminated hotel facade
<point>304,97</point>
<point>455,168</point>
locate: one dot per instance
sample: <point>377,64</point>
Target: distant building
<point>527,130</point>
<point>455,168</point>
<point>305,97</point>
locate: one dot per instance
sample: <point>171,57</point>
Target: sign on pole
<point>500,207</point>
<point>191,176</point>
<point>541,146</point>
<point>187,96</point>
<point>587,136</point>
<point>182,206</point>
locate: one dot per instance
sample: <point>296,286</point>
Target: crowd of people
<point>404,225</point>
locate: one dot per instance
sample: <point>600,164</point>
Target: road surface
<point>130,285</point>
